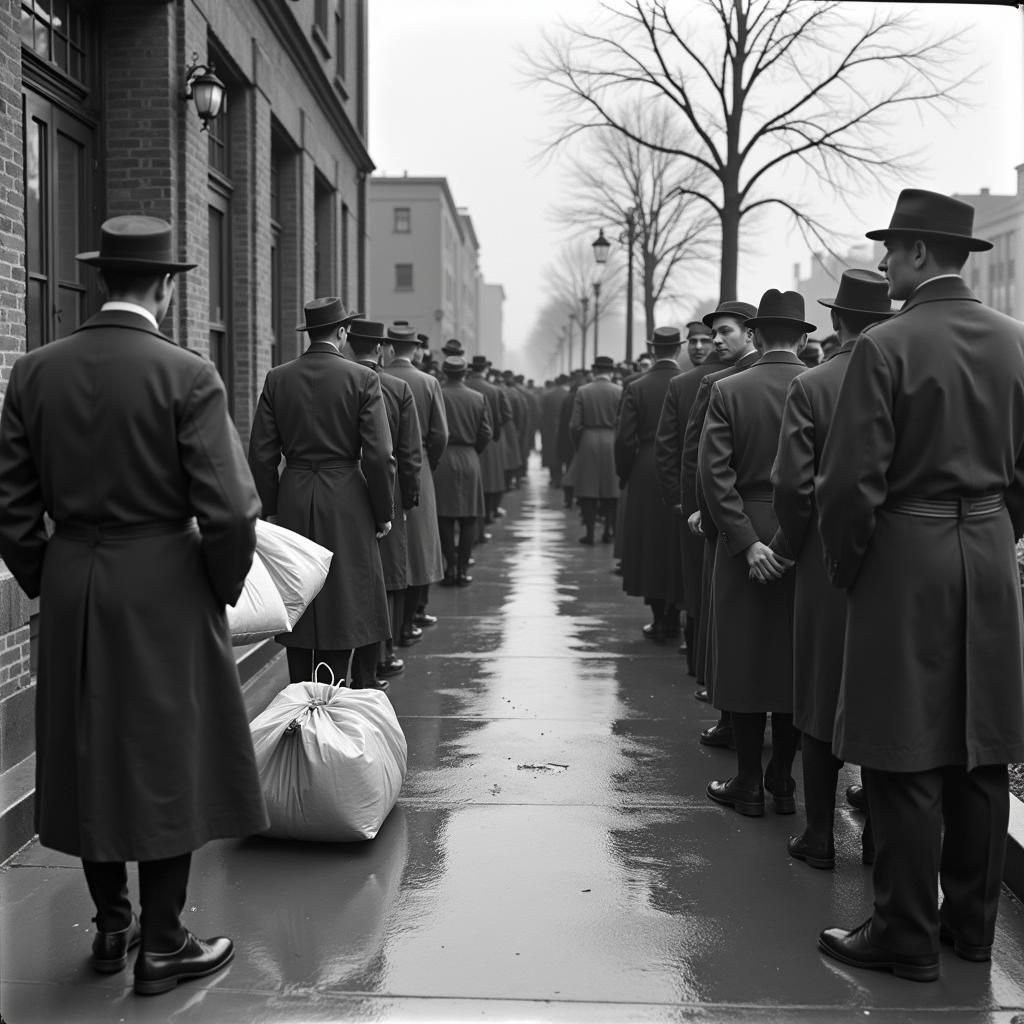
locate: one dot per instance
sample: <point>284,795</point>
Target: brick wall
<point>14,661</point>
<point>12,200</point>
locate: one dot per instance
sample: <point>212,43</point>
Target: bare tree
<point>616,177</point>
<point>787,103</point>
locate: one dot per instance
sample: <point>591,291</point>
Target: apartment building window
<point>57,32</point>
<point>324,207</point>
<point>403,220</point>
<point>321,19</point>
<point>403,277</point>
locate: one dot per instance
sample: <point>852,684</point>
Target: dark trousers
<point>162,891</point>
<point>456,557</point>
<point>396,611</point>
<point>415,601</point>
<point>492,499</point>
<point>908,813</point>
<point>589,508</point>
<point>302,662</point>
<point>748,731</point>
<point>690,635</point>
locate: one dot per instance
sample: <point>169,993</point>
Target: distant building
<point>997,276</point>
<point>424,259</point>
<point>491,321</point>
<point>823,276</point>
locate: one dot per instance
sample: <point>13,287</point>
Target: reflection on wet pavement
<point>552,857</point>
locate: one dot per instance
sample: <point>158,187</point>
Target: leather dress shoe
<point>857,949</point>
<point>655,630</point>
<point>110,949</point>
<point>423,620</point>
<point>822,857</point>
<point>499,512</point>
<point>976,954</point>
<point>484,537</point>
<point>449,580</point>
<point>718,735</point>
<point>741,799</point>
<point>391,667</point>
<point>462,580</point>
<point>410,636</point>
<point>682,647</point>
<point>857,798</point>
<point>702,696</point>
<point>785,801</point>
<point>160,972</point>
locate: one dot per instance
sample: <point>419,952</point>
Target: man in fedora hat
<point>326,415</point>
<point>424,541</point>
<point>735,348</point>
<point>551,401</point>
<point>407,445</point>
<point>460,493</point>
<point>751,583</point>
<point>668,461</point>
<point>651,568</point>
<point>492,465</point>
<point>819,610</point>
<point>592,428</point>
<point>566,446</point>
<point>142,739</point>
<point>919,530</point>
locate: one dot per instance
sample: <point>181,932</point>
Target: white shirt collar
<point>937,277</point>
<point>130,307</point>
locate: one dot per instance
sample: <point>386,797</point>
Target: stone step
<point>17,783</point>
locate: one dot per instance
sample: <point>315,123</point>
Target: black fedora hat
<point>602,364</point>
<point>924,214</point>
<point>785,308</point>
<point>696,327</point>
<point>401,332</point>
<point>325,312</point>
<point>424,341</point>
<point>861,291</point>
<point>367,330</point>
<point>135,243</point>
<point>479,363</point>
<point>454,364</point>
<point>665,337</point>
<point>731,307</point>
<point>453,347</point>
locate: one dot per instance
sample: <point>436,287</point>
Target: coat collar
<point>777,355</point>
<point>745,361</point>
<point>939,289</point>
<point>122,318</point>
<point>321,346</point>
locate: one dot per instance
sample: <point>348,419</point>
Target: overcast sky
<point>447,98</point>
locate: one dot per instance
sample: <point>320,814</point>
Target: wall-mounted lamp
<point>206,89</point>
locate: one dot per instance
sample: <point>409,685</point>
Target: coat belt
<point>96,533</point>
<point>948,508</point>
<point>315,465</point>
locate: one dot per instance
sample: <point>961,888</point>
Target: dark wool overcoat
<point>688,481</point>
<point>407,445</point>
<point>592,428</point>
<point>460,492</point>
<point>492,465</point>
<point>932,406</point>
<point>668,463</point>
<point>512,437</point>
<point>819,609</point>
<point>326,415</point>
<point>424,542</point>
<point>142,739</point>
<point>550,411</point>
<point>651,563</point>
<point>753,627</point>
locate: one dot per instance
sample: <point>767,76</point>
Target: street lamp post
<point>630,239</point>
<point>597,297</point>
<point>572,321</point>
<point>584,302</point>
<point>600,245</point>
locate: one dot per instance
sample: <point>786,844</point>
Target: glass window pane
<point>35,191</point>
<point>70,177</point>
<point>70,302</point>
<point>35,306</point>
<point>25,29</point>
<point>216,266</point>
<point>42,39</point>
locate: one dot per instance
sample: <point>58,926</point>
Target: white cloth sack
<point>296,564</point>
<point>259,613</point>
<point>331,762</point>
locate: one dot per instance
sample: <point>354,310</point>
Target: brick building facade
<point>270,203</point>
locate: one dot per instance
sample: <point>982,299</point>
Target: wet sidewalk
<point>552,858</point>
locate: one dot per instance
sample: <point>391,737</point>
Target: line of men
<point>845,536</point>
<point>395,469</point>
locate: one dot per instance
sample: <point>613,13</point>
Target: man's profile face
<point>730,338</point>
<point>698,346</point>
<point>898,267</point>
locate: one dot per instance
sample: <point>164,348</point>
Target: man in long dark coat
<point>566,448</point>
<point>751,583</point>
<point>460,493</point>
<point>424,542</point>
<point>651,566</point>
<point>668,462</point>
<point>407,445</point>
<point>819,610</point>
<point>592,427</point>
<point>326,415</point>
<point>492,465</point>
<point>920,498</point>
<point>142,739</point>
<point>551,400</point>
<point>734,345</point>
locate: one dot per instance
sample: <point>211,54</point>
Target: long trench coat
<point>753,627</point>
<point>551,400</point>
<point>424,542</point>
<point>651,563</point>
<point>592,428</point>
<point>932,407</point>
<point>326,414</point>
<point>460,492</point>
<point>492,465</point>
<point>142,739</point>
<point>819,609</point>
